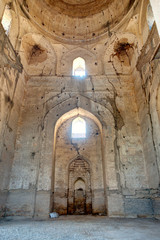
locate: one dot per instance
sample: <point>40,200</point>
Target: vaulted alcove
<point>78,161</point>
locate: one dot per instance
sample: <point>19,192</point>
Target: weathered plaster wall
<point>147,95</point>
<point>43,106</point>
<point>11,96</point>
<point>124,101</point>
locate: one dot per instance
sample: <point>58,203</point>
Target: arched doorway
<point>79,197</point>
<point>79,187</point>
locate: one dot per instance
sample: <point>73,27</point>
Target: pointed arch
<point>69,108</point>
<point>86,55</point>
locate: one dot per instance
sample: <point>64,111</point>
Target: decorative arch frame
<point>83,158</point>
<point>73,178</point>
<point>89,57</point>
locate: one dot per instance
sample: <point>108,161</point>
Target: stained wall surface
<point>116,169</point>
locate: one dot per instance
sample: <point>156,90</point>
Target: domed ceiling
<point>76,21</point>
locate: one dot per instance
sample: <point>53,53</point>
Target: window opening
<point>79,67</point>
<point>150,16</point>
<point>6,19</point>
<point>78,128</point>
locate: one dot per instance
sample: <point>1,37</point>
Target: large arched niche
<point>67,199</point>
<point>53,119</point>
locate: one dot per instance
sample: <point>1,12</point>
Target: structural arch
<point>78,168</point>
<point>75,113</point>
<point>102,117</point>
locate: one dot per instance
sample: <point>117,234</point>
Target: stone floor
<point>81,228</point>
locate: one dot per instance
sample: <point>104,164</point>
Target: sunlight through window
<point>78,128</point>
<point>7,18</point>
<point>150,16</point>
<point>79,67</point>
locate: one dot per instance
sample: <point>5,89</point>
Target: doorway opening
<point>79,189</point>
<point>79,197</point>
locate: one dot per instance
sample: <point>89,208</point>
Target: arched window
<point>78,128</point>
<point>79,67</point>
<point>6,19</point>
<point>150,16</point>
